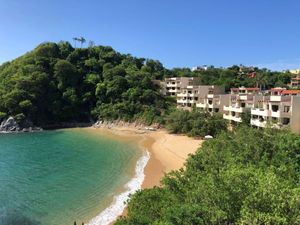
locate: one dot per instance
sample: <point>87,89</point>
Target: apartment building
<point>214,100</point>
<point>174,85</point>
<point>191,95</point>
<point>295,71</point>
<point>241,100</point>
<point>279,110</point>
<point>278,107</point>
<point>295,82</point>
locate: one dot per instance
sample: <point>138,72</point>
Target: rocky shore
<point>121,123</point>
<point>10,125</point>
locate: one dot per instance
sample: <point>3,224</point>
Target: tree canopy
<point>58,83</point>
<point>247,176</point>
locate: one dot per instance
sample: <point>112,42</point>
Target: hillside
<point>57,83</point>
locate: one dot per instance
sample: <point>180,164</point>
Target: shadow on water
<point>15,218</point>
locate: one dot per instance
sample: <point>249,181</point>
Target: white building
<point>214,100</point>
<point>174,85</point>
<point>280,110</point>
<point>241,100</point>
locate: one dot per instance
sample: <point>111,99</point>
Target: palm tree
<point>81,40</point>
<point>75,40</point>
<point>91,44</point>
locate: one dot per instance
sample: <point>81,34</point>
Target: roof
<point>290,92</point>
<point>243,88</point>
<point>277,89</point>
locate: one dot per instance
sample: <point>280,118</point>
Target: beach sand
<point>167,151</point>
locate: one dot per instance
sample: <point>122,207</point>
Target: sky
<point>179,33</point>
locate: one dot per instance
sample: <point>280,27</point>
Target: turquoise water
<point>57,177</point>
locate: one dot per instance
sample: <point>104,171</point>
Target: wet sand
<point>167,151</point>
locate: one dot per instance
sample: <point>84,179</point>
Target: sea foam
<point>111,213</point>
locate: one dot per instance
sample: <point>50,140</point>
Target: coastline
<point>167,152</point>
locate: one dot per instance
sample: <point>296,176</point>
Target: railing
<point>257,123</point>
<point>233,109</point>
<point>260,112</point>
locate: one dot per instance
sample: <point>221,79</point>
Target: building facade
<point>241,101</point>
<point>192,96</point>
<point>214,100</point>
<point>174,85</point>
<point>277,108</point>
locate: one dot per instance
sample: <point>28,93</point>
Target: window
<point>210,102</point>
<point>243,104</point>
<point>275,108</point>
<point>285,121</point>
<point>286,108</point>
<point>216,110</point>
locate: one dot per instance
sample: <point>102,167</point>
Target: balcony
<point>202,105</point>
<point>275,114</point>
<point>275,98</point>
<point>172,91</point>
<point>260,112</point>
<point>186,95</point>
<point>232,118</point>
<point>280,114</point>
<point>233,109</point>
<point>186,101</point>
<point>243,97</point>
<point>257,123</point>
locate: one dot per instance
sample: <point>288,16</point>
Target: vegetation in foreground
<point>195,123</point>
<point>247,176</point>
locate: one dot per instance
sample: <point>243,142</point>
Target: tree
<point>75,39</point>
<point>81,40</point>
<point>235,178</point>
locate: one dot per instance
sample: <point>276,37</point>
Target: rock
<point>9,125</point>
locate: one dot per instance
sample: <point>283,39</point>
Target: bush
<point>195,123</point>
<point>236,178</point>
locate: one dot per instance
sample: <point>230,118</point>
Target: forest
<point>56,83</point>
<point>247,176</point>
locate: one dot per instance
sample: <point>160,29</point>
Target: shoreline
<point>167,152</point>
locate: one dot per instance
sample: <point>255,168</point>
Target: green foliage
<point>247,176</point>
<point>236,76</point>
<point>195,123</point>
<point>246,117</point>
<point>57,83</point>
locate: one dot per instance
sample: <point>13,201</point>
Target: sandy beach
<point>167,151</point>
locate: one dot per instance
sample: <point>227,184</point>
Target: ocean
<point>58,177</point>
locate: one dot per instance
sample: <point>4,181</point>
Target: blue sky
<point>179,33</point>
